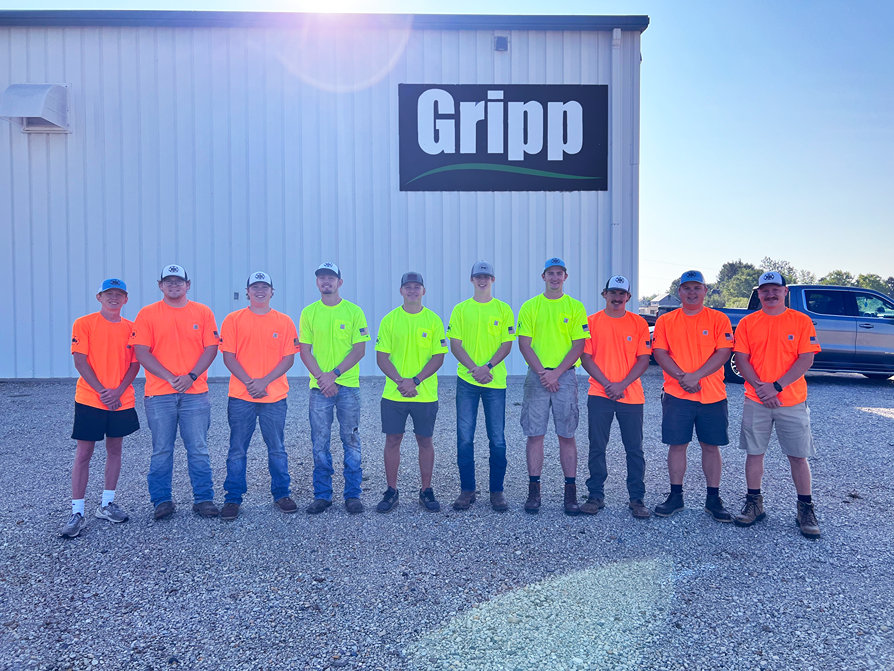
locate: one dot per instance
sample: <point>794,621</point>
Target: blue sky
<point>767,127</point>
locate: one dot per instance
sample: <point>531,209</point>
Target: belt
<point>548,368</point>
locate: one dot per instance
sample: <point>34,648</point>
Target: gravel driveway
<point>471,590</point>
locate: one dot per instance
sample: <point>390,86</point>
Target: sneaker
<point>164,509</point>
<point>752,511</point>
<point>673,504</point>
<point>593,505</point>
<point>112,513</point>
<point>571,506</point>
<point>427,500</point>
<point>638,509</point>
<point>205,509</point>
<point>286,505</point>
<point>318,506</point>
<point>354,506</point>
<point>532,505</point>
<point>464,501</point>
<point>714,506</point>
<point>807,520</point>
<point>498,502</point>
<point>389,500</point>
<point>229,512</point>
<point>74,526</point>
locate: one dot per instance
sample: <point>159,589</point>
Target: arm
<point>669,366</point>
<point>765,391</point>
<point>524,346</point>
<point>712,365</point>
<point>431,367</point>
<point>259,386</point>
<point>182,383</point>
<point>310,362</point>
<point>150,363</point>
<point>550,378</point>
<point>404,386</point>
<point>481,374</point>
<point>111,397</point>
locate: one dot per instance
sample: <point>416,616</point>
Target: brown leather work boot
<point>464,501</point>
<point>807,520</point>
<point>498,502</point>
<point>593,505</point>
<point>571,507</point>
<point>532,505</point>
<point>752,511</point>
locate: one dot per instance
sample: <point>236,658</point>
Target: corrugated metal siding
<point>215,148</point>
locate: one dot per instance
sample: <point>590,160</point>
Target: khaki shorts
<point>537,402</point>
<point>792,429</point>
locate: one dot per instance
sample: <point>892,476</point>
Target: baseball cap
<point>483,268</point>
<point>692,276</point>
<point>411,276</point>
<point>112,283</point>
<point>259,276</point>
<point>173,270</point>
<point>328,266</point>
<point>771,278</point>
<point>618,282</point>
<point>555,261</point>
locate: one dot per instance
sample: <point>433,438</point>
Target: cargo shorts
<point>537,402</point>
<point>792,429</point>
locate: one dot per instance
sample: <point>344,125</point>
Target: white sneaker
<point>112,513</point>
<point>74,526</point>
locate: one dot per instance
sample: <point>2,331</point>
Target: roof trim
<point>196,19</point>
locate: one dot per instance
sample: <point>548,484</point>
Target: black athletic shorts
<point>94,424</point>
<point>679,415</point>
<point>394,417</point>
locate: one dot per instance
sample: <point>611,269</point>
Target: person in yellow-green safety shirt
<point>410,349</point>
<point>481,331</point>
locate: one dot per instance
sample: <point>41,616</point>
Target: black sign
<point>503,137</point>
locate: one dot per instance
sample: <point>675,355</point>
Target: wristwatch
<point>417,381</point>
<point>193,376</point>
<point>489,365</point>
<point>777,386</point>
<point>336,371</point>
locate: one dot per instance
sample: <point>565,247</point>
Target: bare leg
<point>113,462</point>
<point>801,475</point>
<point>676,463</point>
<point>535,455</point>
<point>426,459</point>
<point>567,456</point>
<point>754,470</point>
<point>81,469</point>
<point>392,457</point>
<point>712,464</point>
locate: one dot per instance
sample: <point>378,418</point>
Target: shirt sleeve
<point>659,339</point>
<point>80,337</point>
<point>590,344</point>
<point>361,330</point>
<point>808,341</point>
<point>723,332</point>
<point>581,328</point>
<point>210,336</point>
<point>142,331</point>
<point>305,328</point>
<point>290,343</point>
<point>644,345</point>
<point>228,334</point>
<point>383,339</point>
<point>437,328</point>
<point>742,344</point>
<point>455,325</point>
<point>526,320</point>
<point>509,320</point>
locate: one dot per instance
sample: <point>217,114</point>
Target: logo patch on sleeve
<point>216,335</point>
<point>813,339</point>
<point>296,343</point>
<point>511,330</point>
<point>648,343</point>
<point>364,331</point>
<point>75,340</point>
<point>728,336</point>
<point>443,342</point>
<point>586,328</point>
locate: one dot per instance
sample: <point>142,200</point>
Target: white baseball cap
<point>173,270</point>
<point>618,282</point>
<point>259,276</point>
<point>329,267</point>
<point>771,278</point>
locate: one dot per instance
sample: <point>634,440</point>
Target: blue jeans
<point>347,407</point>
<point>243,416</point>
<point>494,401</point>
<point>192,413</point>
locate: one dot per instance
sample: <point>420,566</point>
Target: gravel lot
<point>471,590</point>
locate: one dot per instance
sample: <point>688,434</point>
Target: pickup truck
<point>854,326</point>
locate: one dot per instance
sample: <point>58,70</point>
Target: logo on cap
<point>692,273</point>
<point>260,276</point>
<point>173,269</point>
<point>555,262</point>
<point>619,280</point>
<point>327,265</point>
<point>769,276</point>
<point>115,283</point>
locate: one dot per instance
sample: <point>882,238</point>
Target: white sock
<point>77,506</point>
<point>108,495</point>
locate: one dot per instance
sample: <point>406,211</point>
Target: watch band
<point>489,365</point>
<point>777,386</point>
<point>193,376</point>
<point>336,371</point>
<point>417,381</point>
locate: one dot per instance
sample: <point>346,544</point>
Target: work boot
<point>286,505</point>
<point>807,520</point>
<point>571,507</point>
<point>673,504</point>
<point>464,501</point>
<point>498,502</point>
<point>752,511</point>
<point>592,505</point>
<point>318,506</point>
<point>164,509</point>
<point>205,509</point>
<point>230,511</point>
<point>714,506</point>
<point>532,505</point>
<point>638,509</point>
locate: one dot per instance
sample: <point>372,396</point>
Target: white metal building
<point>234,142</point>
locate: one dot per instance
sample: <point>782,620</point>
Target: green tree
<point>645,300</point>
<point>839,277</point>
<point>791,274</point>
<point>674,287</point>
<point>890,284</point>
<point>730,269</point>
<point>872,281</point>
<point>742,284</point>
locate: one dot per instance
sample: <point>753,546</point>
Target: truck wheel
<point>731,371</point>
<point>877,376</point>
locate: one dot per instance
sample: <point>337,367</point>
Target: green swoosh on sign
<point>500,168</point>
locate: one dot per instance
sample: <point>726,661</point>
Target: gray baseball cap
<point>483,268</point>
<point>411,276</point>
<point>692,276</point>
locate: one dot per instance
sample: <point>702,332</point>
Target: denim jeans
<point>192,413</point>
<point>601,412</point>
<point>494,401</point>
<point>347,408</point>
<point>243,416</point>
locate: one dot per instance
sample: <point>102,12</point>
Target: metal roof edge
<point>178,18</point>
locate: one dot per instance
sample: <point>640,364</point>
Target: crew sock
<point>713,491</point>
<point>677,489</point>
<point>805,498</point>
<point>77,506</point>
<point>754,492</point>
<point>570,481</point>
<point>533,478</point>
<point>108,495</point>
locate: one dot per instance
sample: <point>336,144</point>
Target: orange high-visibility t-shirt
<point>176,337</point>
<point>691,341</point>
<point>259,342</point>
<point>773,344</point>
<point>109,353</point>
<point>614,344</point>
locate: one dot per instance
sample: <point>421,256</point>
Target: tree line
<point>736,280</point>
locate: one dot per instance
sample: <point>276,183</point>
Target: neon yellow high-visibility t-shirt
<point>552,325</point>
<point>482,328</point>
<point>411,340</point>
<point>332,331</point>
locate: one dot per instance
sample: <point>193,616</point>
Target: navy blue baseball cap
<point>112,283</point>
<point>692,276</point>
<point>555,261</point>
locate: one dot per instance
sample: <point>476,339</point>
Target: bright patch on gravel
<point>884,412</point>
<point>603,618</point>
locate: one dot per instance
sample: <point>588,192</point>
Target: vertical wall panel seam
<point>139,140</point>
<point>177,149</point>
<point>229,160</point>
<point>103,187</point>
<point>282,177</point>
<point>67,187</point>
<point>157,148</point>
<point>120,120</point>
<point>12,198</point>
<point>195,147</point>
<point>30,191</point>
<point>50,227</point>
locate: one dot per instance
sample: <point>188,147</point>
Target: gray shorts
<point>537,401</point>
<point>792,429</point>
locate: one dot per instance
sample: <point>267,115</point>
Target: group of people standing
<point>176,340</point>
